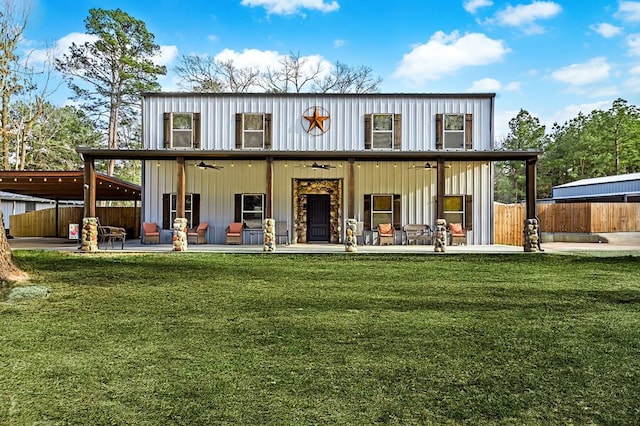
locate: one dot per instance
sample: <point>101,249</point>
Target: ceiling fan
<point>202,165</point>
<point>429,166</point>
<point>316,165</point>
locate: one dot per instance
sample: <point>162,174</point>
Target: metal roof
<point>599,180</point>
<point>172,154</point>
<point>604,188</point>
<point>66,185</point>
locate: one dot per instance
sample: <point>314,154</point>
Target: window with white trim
<point>253,131</point>
<point>454,209</point>
<point>382,131</point>
<point>381,209</point>
<point>454,131</point>
<point>253,210</point>
<point>181,130</point>
<point>188,208</point>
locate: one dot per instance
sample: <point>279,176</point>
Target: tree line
<point>601,143</point>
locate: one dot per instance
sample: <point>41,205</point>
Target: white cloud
<point>291,7</point>
<point>264,59</point>
<point>633,41</point>
<point>628,11</point>
<point>472,6</point>
<point>60,47</point>
<point>525,16</point>
<point>606,30</point>
<point>212,38</point>
<point>514,86</point>
<point>571,111</point>
<point>485,85</point>
<point>597,69</point>
<point>445,54</point>
<point>635,70</point>
<point>338,43</point>
<point>250,58</point>
<point>633,84</point>
<point>166,55</point>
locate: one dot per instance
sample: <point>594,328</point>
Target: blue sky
<point>551,58</point>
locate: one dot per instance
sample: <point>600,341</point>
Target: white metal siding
<point>346,131</point>
<point>417,188</point>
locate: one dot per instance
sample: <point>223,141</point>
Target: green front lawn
<point>210,338</point>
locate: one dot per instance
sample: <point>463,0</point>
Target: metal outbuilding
<point>619,189</point>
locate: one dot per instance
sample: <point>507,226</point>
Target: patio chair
<point>234,233</point>
<point>457,234</point>
<point>108,234</point>
<point>198,235</point>
<point>282,230</point>
<point>385,234</point>
<point>150,233</point>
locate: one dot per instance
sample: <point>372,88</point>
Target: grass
<point>205,338</point>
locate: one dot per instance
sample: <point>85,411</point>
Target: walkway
<point>134,246</point>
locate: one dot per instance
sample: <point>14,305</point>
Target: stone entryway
<point>309,209</point>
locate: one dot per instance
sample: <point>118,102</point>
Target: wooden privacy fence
<point>566,217</point>
<point>42,223</point>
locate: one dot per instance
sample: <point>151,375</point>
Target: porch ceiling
<point>66,185</point>
<point>165,154</point>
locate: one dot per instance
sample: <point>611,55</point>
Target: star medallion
<point>316,121</point>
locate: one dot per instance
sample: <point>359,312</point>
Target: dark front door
<point>318,218</point>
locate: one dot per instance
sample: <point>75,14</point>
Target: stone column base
<point>180,234</point>
<point>530,235</point>
<point>269,237</point>
<point>440,237</point>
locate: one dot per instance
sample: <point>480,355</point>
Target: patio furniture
<point>150,233</point>
<point>234,233</point>
<point>457,234</point>
<point>198,235</point>
<point>417,234</point>
<point>282,230</point>
<point>385,234</point>
<point>108,234</point>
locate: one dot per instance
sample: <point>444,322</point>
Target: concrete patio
<point>628,244</point>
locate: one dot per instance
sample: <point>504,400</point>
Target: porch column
<point>531,188</point>
<point>440,177</point>
<point>89,188</point>
<point>268,208</point>
<point>531,231</point>
<point>351,189</point>
<point>181,188</point>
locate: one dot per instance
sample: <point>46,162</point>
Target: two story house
<point>315,160</point>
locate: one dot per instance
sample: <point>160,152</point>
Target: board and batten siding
<point>346,132</point>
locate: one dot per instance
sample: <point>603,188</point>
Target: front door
<point>318,218</point>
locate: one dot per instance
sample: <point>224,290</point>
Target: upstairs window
<point>454,131</point>
<point>253,131</point>
<point>181,130</point>
<point>382,131</point>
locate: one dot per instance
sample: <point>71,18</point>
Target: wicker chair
<point>457,234</point>
<point>150,233</point>
<point>234,233</point>
<point>386,234</point>
<point>198,235</point>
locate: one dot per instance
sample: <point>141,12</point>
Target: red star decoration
<point>316,120</point>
